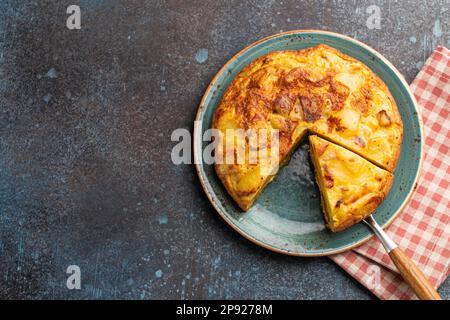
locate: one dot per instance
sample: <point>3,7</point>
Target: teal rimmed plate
<point>287,217</point>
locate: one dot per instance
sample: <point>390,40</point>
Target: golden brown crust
<point>358,187</point>
<point>317,89</point>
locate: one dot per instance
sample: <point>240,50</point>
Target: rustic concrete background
<point>85,124</point>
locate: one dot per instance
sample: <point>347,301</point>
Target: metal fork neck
<point>387,242</point>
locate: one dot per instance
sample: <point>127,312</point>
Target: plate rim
<point>199,162</point>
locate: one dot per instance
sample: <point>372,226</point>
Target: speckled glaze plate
<point>287,217</point>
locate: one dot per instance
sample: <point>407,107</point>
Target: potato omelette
<point>319,91</point>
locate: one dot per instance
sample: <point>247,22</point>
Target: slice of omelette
<point>351,187</point>
<point>317,90</point>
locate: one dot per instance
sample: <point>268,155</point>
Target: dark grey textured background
<point>85,124</point>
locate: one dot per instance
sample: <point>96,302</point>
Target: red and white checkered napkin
<point>422,229</point>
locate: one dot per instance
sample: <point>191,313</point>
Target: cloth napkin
<point>422,229</point>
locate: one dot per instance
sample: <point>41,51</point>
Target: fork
<point>407,268</point>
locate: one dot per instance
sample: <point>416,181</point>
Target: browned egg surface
<point>318,90</point>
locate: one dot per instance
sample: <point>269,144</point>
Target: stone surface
<point>85,123</point>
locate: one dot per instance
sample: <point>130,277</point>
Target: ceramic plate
<point>287,217</point>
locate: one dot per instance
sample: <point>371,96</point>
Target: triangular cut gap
<point>311,132</point>
<point>351,186</point>
<point>247,204</point>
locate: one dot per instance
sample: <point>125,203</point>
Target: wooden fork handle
<point>414,276</point>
